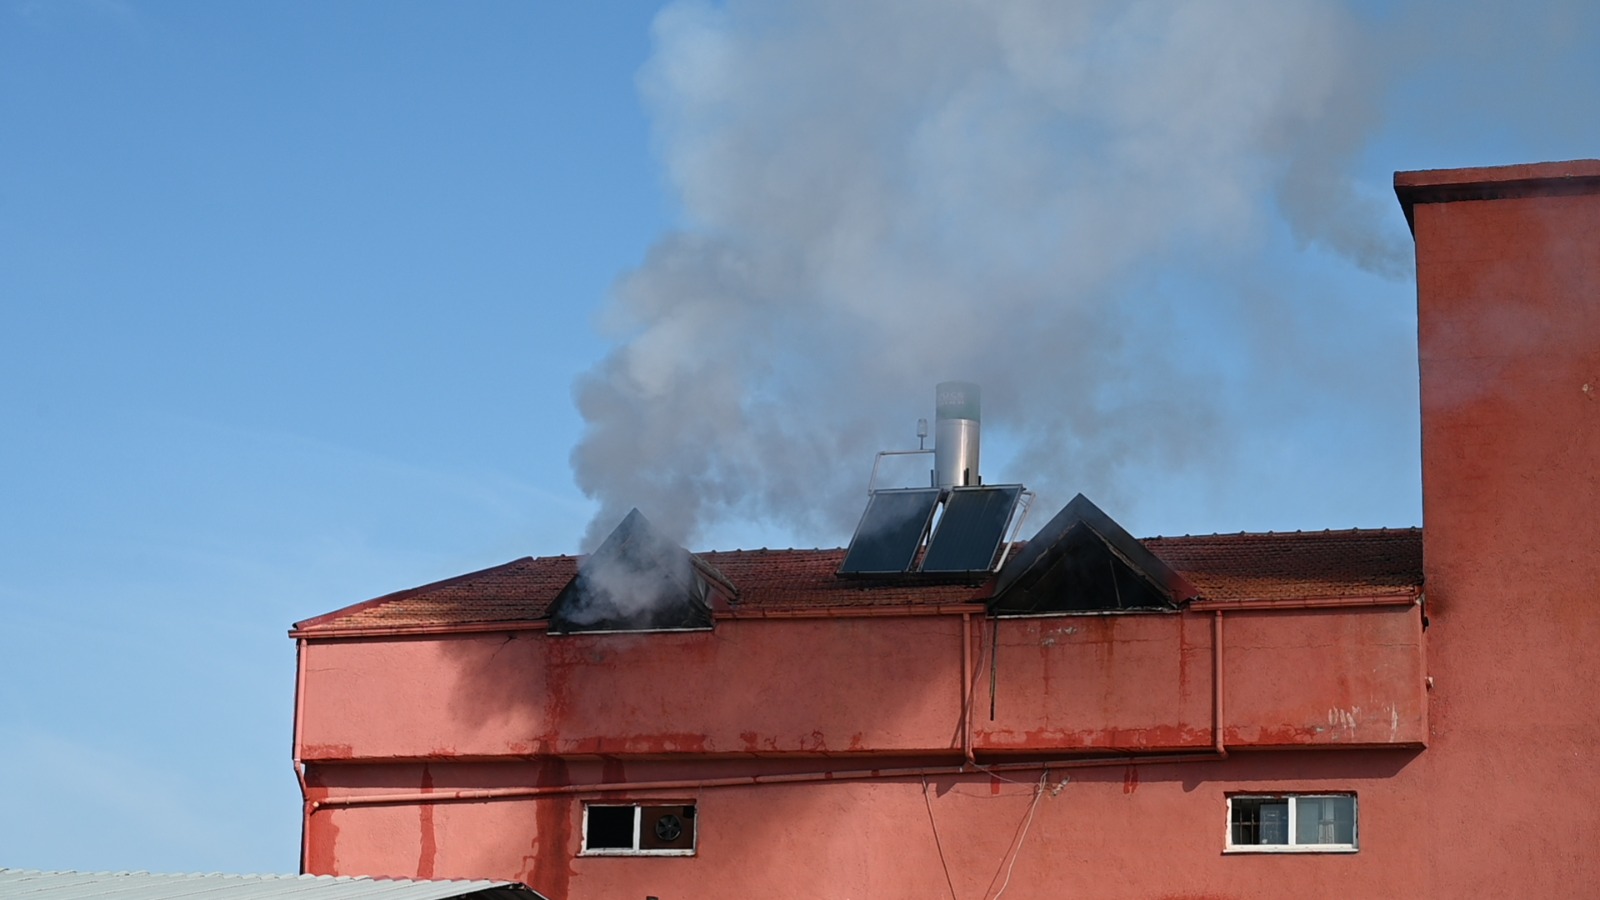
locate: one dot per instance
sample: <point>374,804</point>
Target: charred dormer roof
<point>1083,560</point>
<point>638,580</point>
<point>1244,566</point>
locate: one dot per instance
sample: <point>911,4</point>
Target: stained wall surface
<point>831,699</point>
<point>1508,285</point>
<point>1119,832</point>
<point>884,686</point>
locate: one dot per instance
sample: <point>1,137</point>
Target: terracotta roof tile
<point>1297,565</point>
<point>516,591</point>
<point>1262,566</point>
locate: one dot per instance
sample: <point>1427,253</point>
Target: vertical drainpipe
<point>966,688</point>
<point>1217,742</point>
<point>306,807</point>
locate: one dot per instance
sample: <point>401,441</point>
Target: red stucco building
<point>1389,713</point>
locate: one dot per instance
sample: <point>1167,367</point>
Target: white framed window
<point>1292,823</point>
<point>633,829</point>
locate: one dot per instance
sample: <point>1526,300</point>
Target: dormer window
<point>638,581</point>
<point>1083,561</point>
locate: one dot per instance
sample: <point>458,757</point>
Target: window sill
<point>621,852</point>
<point>1294,848</point>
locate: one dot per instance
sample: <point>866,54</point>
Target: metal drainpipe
<point>1217,723</point>
<point>476,796</point>
<point>966,688</point>
<point>294,752</point>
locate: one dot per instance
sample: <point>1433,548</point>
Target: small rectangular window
<point>1291,823</point>
<point>631,829</point>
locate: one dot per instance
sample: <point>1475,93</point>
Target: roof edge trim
<point>1550,179</point>
<point>1407,597</point>
<point>338,633</point>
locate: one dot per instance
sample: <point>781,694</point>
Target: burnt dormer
<point>638,580</point>
<point>1083,561</point>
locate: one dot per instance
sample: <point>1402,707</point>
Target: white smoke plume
<point>878,195</point>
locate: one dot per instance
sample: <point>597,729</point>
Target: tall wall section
<point>1508,288</point>
<point>474,755</point>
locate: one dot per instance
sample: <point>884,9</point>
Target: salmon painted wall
<point>778,697</point>
<point>1509,320</point>
<point>1140,682</point>
<point>1120,832</point>
<point>887,686</point>
<point>812,686</point>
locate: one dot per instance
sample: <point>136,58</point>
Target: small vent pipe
<point>955,436</point>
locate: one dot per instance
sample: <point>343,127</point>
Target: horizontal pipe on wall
<point>488,794</point>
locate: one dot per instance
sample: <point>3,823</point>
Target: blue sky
<point>299,302</point>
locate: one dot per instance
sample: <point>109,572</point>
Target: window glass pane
<point>1325,820</point>
<point>666,828</point>
<point>1275,822</point>
<point>1244,820</point>
<point>610,828</point>
<point>1260,820</point>
<point>1310,825</point>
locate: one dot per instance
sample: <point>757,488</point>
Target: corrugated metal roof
<point>31,885</point>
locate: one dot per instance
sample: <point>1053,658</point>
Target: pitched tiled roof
<point>1263,566</point>
<point>517,591</point>
<point>1300,565</point>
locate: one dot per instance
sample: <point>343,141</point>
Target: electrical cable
<point>928,802</point>
<point>1021,835</point>
<point>994,664</point>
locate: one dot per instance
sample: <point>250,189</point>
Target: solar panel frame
<point>890,532</point>
<point>970,531</point>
